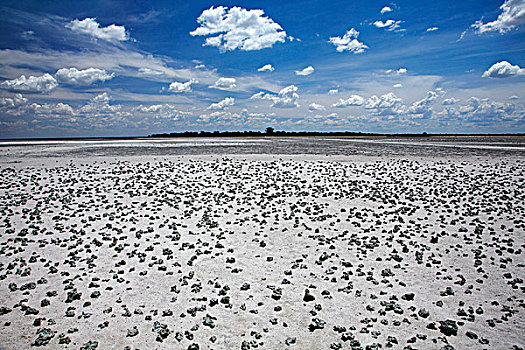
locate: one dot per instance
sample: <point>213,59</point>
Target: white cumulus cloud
<point>100,105</point>
<point>354,100</point>
<point>90,26</point>
<point>388,104</point>
<point>503,69</point>
<point>238,28</point>
<point>400,71</point>
<point>44,84</point>
<point>266,68</point>
<point>165,110</point>
<point>348,42</point>
<point>12,102</point>
<point>432,29</point>
<point>179,87</point>
<point>512,15</point>
<point>423,106</point>
<point>224,83</point>
<point>82,77</point>
<point>480,109</point>
<point>390,25</point>
<point>386,9</point>
<point>228,101</point>
<point>316,107</point>
<point>449,101</point>
<point>286,98</point>
<point>306,71</point>
<point>51,109</point>
<point>333,92</point>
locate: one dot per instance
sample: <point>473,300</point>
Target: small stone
<point>208,321</point>
<point>423,313</point>
<point>4,310</point>
<point>448,327</point>
<point>408,296</point>
<point>471,335</point>
<point>307,296</point>
<point>317,323</point>
<point>44,337</point>
<point>132,332</point>
<point>90,345</point>
<point>289,341</point>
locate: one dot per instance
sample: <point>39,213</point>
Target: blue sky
<point>120,68</point>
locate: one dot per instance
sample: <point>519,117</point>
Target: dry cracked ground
<point>263,252</point>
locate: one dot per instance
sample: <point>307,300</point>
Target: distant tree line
<point>272,132</point>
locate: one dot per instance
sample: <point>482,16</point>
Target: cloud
<point>266,68</point>
<point>400,71</point>
<point>481,109</point>
<point>514,97</point>
<point>354,100</point>
<point>13,102</point>
<point>306,71</point>
<point>333,92</point>
<point>286,98</point>
<point>388,104</point>
<point>124,61</point>
<point>52,109</point>
<point>423,106</point>
<point>82,77</point>
<point>432,29</point>
<point>43,84</point>
<point>348,42</point>
<point>164,110</point>
<point>503,69</point>
<point>228,101</point>
<point>390,25</point>
<point>178,87</point>
<point>238,28</point>
<point>512,15</point>
<point>449,101</point>
<point>90,26</point>
<point>261,95</point>
<point>397,85</point>
<point>386,9</point>
<point>316,107</point>
<point>224,83</point>
<point>99,105</point>
<point>151,72</point>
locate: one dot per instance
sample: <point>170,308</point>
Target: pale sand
<point>160,238</point>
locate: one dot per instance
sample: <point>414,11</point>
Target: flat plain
<point>264,243</point>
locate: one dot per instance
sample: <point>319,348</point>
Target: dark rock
<point>289,341</point>
<point>408,296</point>
<point>423,313</point>
<point>63,339</point>
<point>448,327</point>
<point>90,345</point>
<point>44,337</point>
<point>208,321</point>
<point>4,310</point>
<point>132,332</point>
<point>307,296</point>
<point>471,335</point>
<point>317,323</point>
<point>73,295</point>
